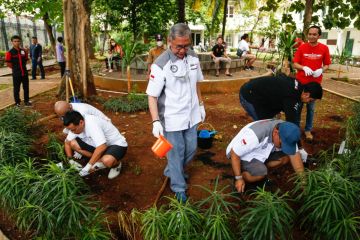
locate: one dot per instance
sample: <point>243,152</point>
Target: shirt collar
<point>173,57</point>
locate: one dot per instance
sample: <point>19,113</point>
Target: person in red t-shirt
<point>311,60</point>
<point>16,59</point>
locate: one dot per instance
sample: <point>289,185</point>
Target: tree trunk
<point>307,16</point>
<point>49,30</point>
<point>128,74</point>
<point>77,40</point>
<point>3,31</point>
<point>181,11</point>
<point>224,19</point>
<point>91,43</point>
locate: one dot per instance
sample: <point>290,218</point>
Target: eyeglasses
<point>185,47</point>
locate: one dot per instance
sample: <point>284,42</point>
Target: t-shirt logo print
<point>173,68</point>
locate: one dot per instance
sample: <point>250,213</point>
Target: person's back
<point>87,109</point>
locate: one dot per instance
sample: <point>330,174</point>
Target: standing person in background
<point>175,104</point>
<point>311,60</point>
<point>16,59</point>
<point>246,53</point>
<point>36,58</point>
<point>60,55</point>
<point>155,52</point>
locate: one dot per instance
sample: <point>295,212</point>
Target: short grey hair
<point>179,30</point>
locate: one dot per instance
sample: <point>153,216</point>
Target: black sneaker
<point>252,67</point>
<point>17,105</point>
<point>28,104</point>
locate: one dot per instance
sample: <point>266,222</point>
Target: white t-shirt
<point>244,46</point>
<point>86,109</point>
<point>173,81</point>
<point>98,131</point>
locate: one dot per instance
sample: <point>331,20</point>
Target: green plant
<point>154,224</point>
<point>131,103</point>
<point>328,200</point>
<point>268,216</point>
<point>55,150</point>
<point>184,220</point>
<point>13,146</point>
<point>286,43</point>
<point>18,120</point>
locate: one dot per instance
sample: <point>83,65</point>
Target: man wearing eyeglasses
<point>175,104</point>
<point>261,145</point>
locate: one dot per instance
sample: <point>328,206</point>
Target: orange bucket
<point>161,146</point>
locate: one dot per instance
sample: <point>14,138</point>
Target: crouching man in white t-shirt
<point>96,139</point>
<point>260,145</point>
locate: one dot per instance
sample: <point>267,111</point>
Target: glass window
<point>230,11</point>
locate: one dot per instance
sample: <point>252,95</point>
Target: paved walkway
<point>6,71</point>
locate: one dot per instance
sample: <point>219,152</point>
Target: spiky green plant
<point>217,227</point>
<point>55,150</point>
<point>328,198</point>
<point>13,146</point>
<point>18,120</point>
<point>184,220</point>
<point>286,43</point>
<point>347,228</point>
<point>154,224</point>
<point>267,217</point>
<point>132,103</point>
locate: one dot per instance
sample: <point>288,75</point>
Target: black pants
<point>62,68</point>
<point>17,81</point>
<point>35,63</point>
<point>114,59</point>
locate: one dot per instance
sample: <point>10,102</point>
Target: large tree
<point>77,40</point>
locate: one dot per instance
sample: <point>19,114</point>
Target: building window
<point>229,41</point>
<point>230,11</point>
<point>324,35</point>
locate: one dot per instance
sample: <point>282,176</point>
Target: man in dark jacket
<point>36,58</point>
<point>16,59</point>
<point>264,97</point>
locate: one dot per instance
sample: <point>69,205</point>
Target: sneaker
<point>308,136</point>
<point>252,67</point>
<point>247,69</point>
<point>17,105</point>
<point>114,172</point>
<point>111,70</point>
<point>28,104</point>
<point>181,197</point>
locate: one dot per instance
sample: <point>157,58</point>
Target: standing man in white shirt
<point>246,53</point>
<point>96,139</point>
<point>260,145</point>
<point>175,103</point>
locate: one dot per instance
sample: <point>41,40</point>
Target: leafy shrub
<point>13,146</point>
<point>53,202</point>
<point>18,120</point>
<point>329,201</point>
<point>268,216</point>
<point>55,150</point>
<point>131,103</point>
<point>154,224</point>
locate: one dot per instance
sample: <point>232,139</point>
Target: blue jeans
<point>34,64</point>
<point>310,109</point>
<point>249,108</point>
<point>184,148</point>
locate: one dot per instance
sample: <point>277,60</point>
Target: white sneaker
<point>114,172</point>
<point>75,164</point>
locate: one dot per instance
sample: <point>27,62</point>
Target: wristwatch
<point>238,177</point>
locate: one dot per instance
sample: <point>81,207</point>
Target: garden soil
<point>142,173</point>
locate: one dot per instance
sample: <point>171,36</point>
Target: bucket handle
<point>204,125</point>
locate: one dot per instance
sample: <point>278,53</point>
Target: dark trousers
<point>62,68</point>
<point>111,61</point>
<point>34,64</point>
<point>17,81</point>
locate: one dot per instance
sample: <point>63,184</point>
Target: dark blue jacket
<point>35,51</point>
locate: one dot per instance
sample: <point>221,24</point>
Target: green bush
<point>13,146</point>
<point>18,120</point>
<point>329,201</point>
<point>52,202</point>
<point>268,217</point>
<point>55,149</point>
<point>131,103</point>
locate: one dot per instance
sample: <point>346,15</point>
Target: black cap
<point>158,37</point>
<point>314,89</point>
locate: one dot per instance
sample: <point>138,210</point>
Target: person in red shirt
<point>311,60</point>
<point>16,59</point>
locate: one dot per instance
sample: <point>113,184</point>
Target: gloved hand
<point>317,72</point>
<point>86,170</point>
<point>308,71</point>
<point>303,155</point>
<point>202,113</point>
<point>77,155</point>
<point>157,129</point>
<point>75,164</point>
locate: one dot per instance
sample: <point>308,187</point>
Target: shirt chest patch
<point>312,56</point>
<point>193,66</point>
<point>174,68</point>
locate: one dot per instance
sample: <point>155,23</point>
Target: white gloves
<point>202,113</point>
<point>157,129</point>
<point>317,73</point>
<point>303,155</point>
<point>85,171</point>
<point>308,71</point>
<point>77,155</point>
